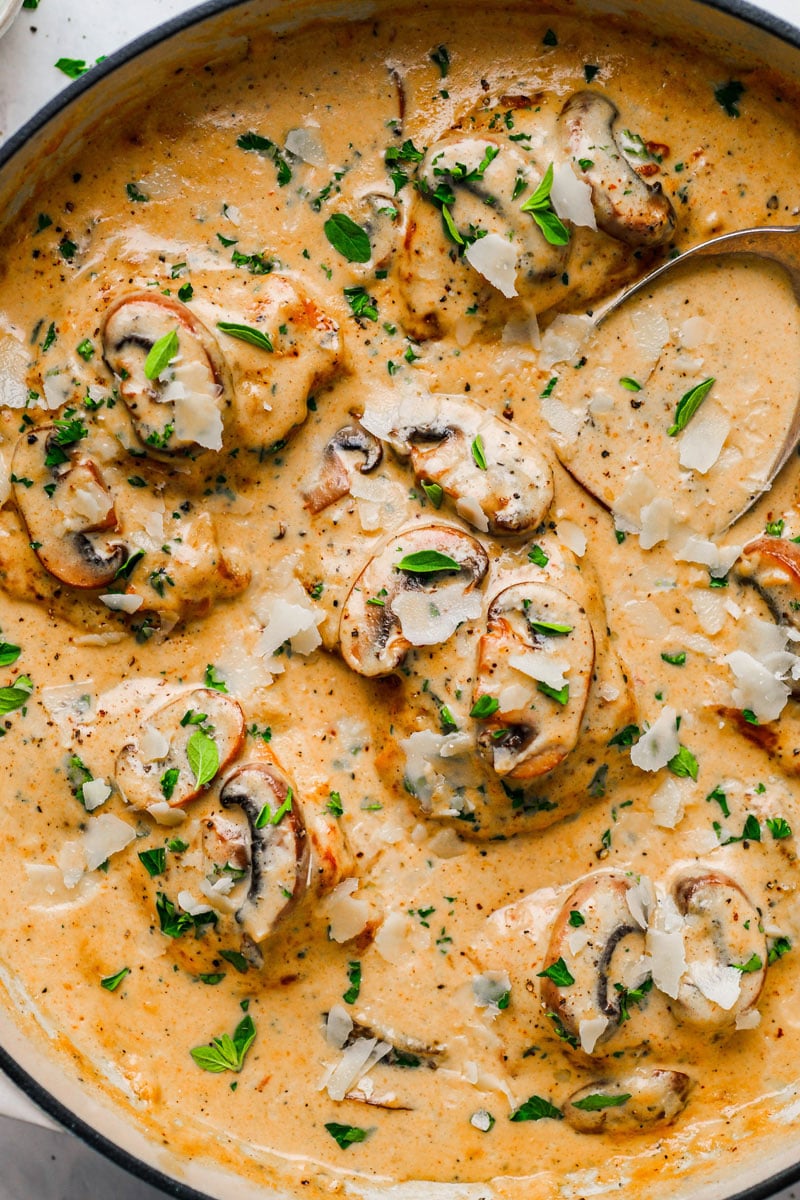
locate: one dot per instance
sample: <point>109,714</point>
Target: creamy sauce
<point>423,895</point>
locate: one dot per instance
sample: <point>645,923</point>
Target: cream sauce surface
<point>414,860</point>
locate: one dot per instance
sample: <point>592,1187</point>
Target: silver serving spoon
<point>781,244</point>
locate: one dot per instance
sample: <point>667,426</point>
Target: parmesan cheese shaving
<point>95,792</point>
<point>668,959</point>
<point>544,668</point>
<point>127,602</point>
<point>572,197</point>
<point>721,985</point>
<point>495,258</point>
<point>427,619</point>
<point>563,338</point>
<point>338,1026</point>
<point>104,836</point>
<point>702,440</point>
<point>658,744</point>
<point>590,1033</point>
<point>347,916</point>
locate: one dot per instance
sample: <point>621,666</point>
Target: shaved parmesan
<point>105,835</point>
<point>305,143</point>
<point>757,687</point>
<point>495,258</point>
<point>127,602</point>
<point>667,804</point>
<point>639,899</point>
<point>513,697</point>
<point>338,1026</point>
<point>650,329</point>
<point>572,197</point>
<point>694,549</point>
<point>658,744</point>
<point>95,792</point>
<point>356,1060</point>
<point>563,338</point>
<point>573,537</point>
<point>347,916</point>
<point>57,390</point>
<point>578,940</point>
<point>427,619</point>
<point>656,521</point>
<point>710,609</point>
<point>287,622</point>
<point>468,508</point>
<point>488,989</point>
<point>393,940</point>
<point>13,365</point>
<point>696,332</point>
<point>164,814</point>
<point>721,985</point>
<point>590,1032</point>
<point>748,1020</point>
<point>544,668</point>
<point>153,745</point>
<point>668,959</point>
<point>702,440</point>
<point>446,843</point>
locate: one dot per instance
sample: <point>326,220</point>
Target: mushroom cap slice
<point>625,206</point>
<point>181,409</point>
<point>603,957</point>
<point>772,565</point>
<point>170,740</point>
<point>411,607</point>
<point>725,949</point>
<point>499,480</point>
<point>333,481</point>
<point>648,1097</point>
<point>67,508</point>
<point>279,854</point>
<point>536,659</point>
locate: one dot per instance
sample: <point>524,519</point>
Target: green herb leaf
<point>354,975</point>
<point>112,982</point>
<point>237,960</point>
<point>684,764</point>
<point>8,654</point>
<point>348,238</point>
<point>168,782</point>
<point>677,659</point>
<point>629,384</point>
<point>12,698</point>
<point>728,96</point>
<point>752,965</point>
<point>225,1053</point>
<point>536,1108</point>
<point>334,805</point>
<point>424,562</point>
<point>479,454</point>
<point>246,333</point>
<point>135,195</point>
<point>560,695</point>
<point>442,59</point>
<point>779,827</point>
<point>485,706</point>
<point>174,924</point>
<point>688,405</point>
<point>212,979</point>
<point>779,947</point>
<point>549,627</point>
<point>576,919</point>
<point>154,861</point>
<point>553,228</point>
<point>185,293</point>
<point>775,528</point>
<point>596,1102</point>
<point>203,755</point>
<point>537,556</point>
<point>721,799</point>
<point>558,973</point>
<point>345,1135</point>
<point>434,492</point>
<point>85,349</point>
<point>177,845</point>
<point>161,354</point>
<point>214,680</point>
<point>73,67</point>
<point>361,303</point>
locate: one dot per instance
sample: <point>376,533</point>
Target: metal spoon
<point>781,244</point>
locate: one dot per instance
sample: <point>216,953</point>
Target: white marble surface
<point>40,1162</point>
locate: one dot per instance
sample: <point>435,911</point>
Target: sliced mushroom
<point>180,407</point>
<point>406,1051</point>
<point>625,206</point>
<point>334,477</point>
<point>279,855</point>
<point>646,1098</point>
<point>392,607</point>
<point>772,565</point>
<point>193,737</point>
<point>496,475</point>
<point>536,660</point>
<point>67,508</point>
<point>725,950</point>
<point>603,956</point>
<point>379,214</point>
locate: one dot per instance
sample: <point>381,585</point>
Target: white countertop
<point>40,1162</point>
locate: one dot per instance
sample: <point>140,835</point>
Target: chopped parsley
<point>558,973</point>
<point>226,1053</point>
<point>536,1108</point>
<point>354,976</point>
<point>345,1135</point>
<point>112,982</point>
